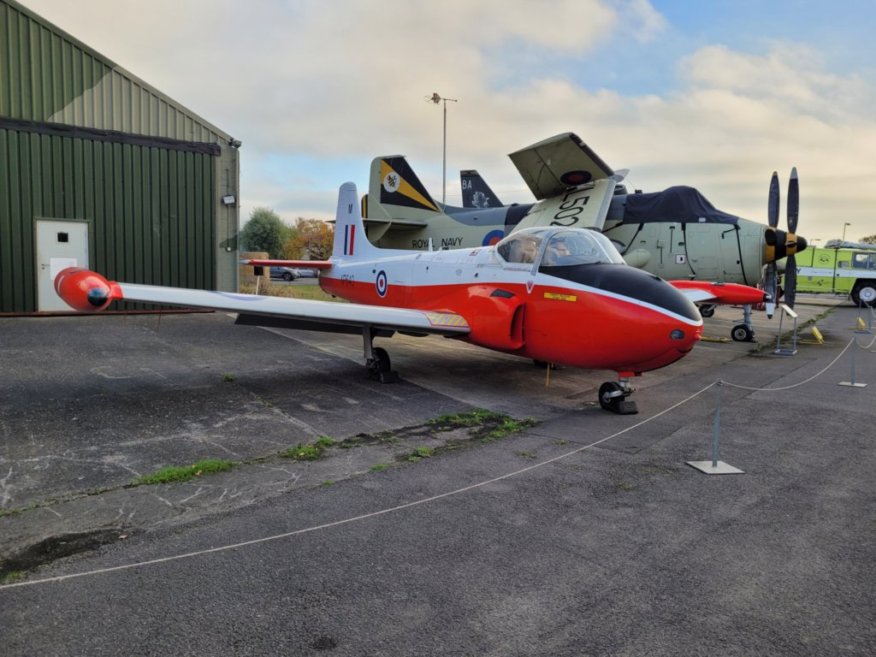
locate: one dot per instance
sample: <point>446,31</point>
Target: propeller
<point>792,243</point>
<point>770,284</point>
<point>780,244</point>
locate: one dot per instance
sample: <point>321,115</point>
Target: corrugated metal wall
<point>149,210</point>
<point>145,173</point>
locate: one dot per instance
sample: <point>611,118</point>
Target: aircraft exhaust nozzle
<point>84,290</point>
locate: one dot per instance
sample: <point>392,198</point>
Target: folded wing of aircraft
<point>574,185</point>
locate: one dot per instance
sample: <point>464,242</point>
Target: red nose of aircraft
<point>632,322</point>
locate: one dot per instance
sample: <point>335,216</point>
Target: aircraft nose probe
<point>780,244</point>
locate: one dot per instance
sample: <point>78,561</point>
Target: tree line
<point>307,239</point>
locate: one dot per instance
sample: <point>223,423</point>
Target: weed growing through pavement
<point>308,451</point>
<point>175,474</point>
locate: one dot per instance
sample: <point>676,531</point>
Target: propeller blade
<point>770,286</point>
<point>793,201</point>
<point>773,208</point>
<point>790,281</point>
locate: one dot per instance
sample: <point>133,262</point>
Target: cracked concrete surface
<point>74,434</point>
<point>89,403</point>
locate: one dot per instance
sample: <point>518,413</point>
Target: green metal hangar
<point>99,169</point>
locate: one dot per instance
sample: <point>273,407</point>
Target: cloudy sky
<point>715,95</point>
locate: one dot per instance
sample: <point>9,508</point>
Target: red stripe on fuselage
<point>594,331</point>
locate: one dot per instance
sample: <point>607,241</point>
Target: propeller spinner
<point>780,244</point>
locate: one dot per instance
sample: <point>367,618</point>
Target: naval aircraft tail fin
<point>395,194</point>
<point>476,193</point>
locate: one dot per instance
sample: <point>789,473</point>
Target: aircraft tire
<point>379,365</point>
<point>707,310</point>
<point>607,400</point>
<point>741,333</point>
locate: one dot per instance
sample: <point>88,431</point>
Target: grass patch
<point>174,474</point>
<point>308,451</point>
<point>483,424</point>
<point>228,378</point>
<point>387,437</point>
<point>474,418</point>
<point>506,427</point>
<point>379,467</point>
<point>420,453</point>
<point>11,577</point>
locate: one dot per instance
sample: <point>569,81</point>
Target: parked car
<point>286,273</point>
<point>307,272</point>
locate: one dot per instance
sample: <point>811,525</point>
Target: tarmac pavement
<point>492,549</point>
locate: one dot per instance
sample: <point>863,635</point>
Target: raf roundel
<point>493,237</point>
<point>381,283</point>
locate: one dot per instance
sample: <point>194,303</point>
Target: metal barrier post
<point>793,350</point>
<point>852,383</point>
<point>715,466</point>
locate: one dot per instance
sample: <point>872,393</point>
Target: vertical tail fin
<point>350,239</point>
<point>395,192</point>
<point>476,193</point>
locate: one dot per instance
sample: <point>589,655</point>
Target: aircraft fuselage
<point>601,316</point>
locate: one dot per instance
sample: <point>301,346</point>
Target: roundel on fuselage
<point>493,237</point>
<point>381,283</point>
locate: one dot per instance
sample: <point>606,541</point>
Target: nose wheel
<point>613,397</point>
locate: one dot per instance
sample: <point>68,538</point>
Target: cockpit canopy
<point>553,247</point>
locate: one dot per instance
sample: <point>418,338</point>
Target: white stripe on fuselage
<point>457,266</point>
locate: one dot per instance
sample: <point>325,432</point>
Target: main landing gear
<point>613,397</point>
<point>743,332</point>
<point>377,361</point>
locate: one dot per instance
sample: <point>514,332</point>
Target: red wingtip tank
<point>726,293</point>
<point>86,291</point>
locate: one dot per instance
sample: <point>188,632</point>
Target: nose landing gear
<point>613,397</point>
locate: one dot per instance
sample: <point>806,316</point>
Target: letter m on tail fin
<point>350,240</point>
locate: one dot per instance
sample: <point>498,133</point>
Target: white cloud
<point>344,81</point>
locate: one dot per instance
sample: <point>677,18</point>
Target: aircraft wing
<point>87,291</point>
<point>552,166</point>
<point>724,293</point>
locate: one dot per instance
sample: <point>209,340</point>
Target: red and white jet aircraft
<point>551,294</point>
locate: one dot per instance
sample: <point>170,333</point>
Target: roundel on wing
<point>381,283</point>
<point>574,178</point>
<point>493,237</point>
